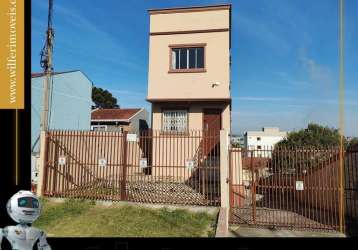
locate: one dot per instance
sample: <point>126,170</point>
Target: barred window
<point>175,120</point>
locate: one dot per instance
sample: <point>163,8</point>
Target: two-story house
<point>189,68</point>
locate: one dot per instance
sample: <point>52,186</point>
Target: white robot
<point>24,208</point>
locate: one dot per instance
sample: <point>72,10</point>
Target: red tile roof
<point>113,114</point>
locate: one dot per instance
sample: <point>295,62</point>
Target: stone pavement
<point>245,231</point>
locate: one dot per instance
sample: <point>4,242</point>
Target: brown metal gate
<point>351,191</point>
<point>151,166</point>
<point>285,188</point>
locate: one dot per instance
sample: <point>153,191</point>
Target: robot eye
<point>23,202</point>
<point>35,203</point>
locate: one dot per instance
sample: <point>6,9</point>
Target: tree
<point>313,136</point>
<point>298,152</point>
<point>353,144</point>
<point>103,98</point>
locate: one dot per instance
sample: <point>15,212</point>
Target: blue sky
<point>284,55</point>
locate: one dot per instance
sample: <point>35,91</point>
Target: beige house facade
<point>189,68</point>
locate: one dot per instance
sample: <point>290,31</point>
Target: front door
<point>212,121</point>
<point>211,130</point>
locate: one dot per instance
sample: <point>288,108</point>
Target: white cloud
<point>317,73</point>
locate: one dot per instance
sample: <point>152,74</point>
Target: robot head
<point>24,207</point>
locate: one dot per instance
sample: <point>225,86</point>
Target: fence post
<point>253,188</point>
<point>124,166</point>
<point>42,164</point>
<point>224,174</point>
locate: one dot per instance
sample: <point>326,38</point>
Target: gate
<point>292,188</point>
<point>351,191</point>
<point>150,166</point>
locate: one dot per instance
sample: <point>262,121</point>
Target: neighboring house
<point>131,120</point>
<point>189,68</point>
<point>237,140</point>
<point>69,106</point>
<point>70,103</point>
<point>265,139</point>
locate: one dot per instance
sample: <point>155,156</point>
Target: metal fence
<point>295,188</point>
<point>351,191</point>
<point>150,166</point>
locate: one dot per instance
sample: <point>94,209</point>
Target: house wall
<point>135,125</point>
<point>266,141</point>
<point>71,104</point>
<point>195,114</point>
<point>111,127</point>
<point>196,20</point>
<point>164,85</point>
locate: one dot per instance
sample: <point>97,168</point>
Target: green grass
<point>76,218</point>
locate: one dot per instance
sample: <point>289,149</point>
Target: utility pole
<point>341,117</point>
<point>46,64</point>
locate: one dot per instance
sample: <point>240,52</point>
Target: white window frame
<point>179,125</point>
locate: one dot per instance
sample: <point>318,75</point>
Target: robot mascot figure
<point>24,208</point>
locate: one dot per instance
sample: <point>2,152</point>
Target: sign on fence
<point>143,163</point>
<point>132,137</point>
<point>62,160</point>
<point>299,185</point>
<point>102,162</point>
<point>189,164</point>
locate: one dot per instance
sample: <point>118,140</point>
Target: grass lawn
<point>80,218</point>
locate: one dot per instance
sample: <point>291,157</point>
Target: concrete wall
<point>71,104</point>
<point>161,83</point>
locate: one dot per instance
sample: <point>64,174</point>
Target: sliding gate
<point>151,166</point>
<point>286,188</point>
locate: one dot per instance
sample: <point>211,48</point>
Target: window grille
<point>175,120</point>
